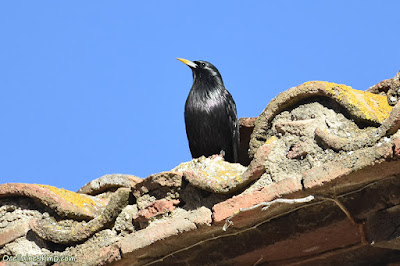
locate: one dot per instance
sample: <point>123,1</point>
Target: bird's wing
<point>233,125</point>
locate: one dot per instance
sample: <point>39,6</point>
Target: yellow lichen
<point>75,198</point>
<point>373,107</point>
<point>221,175</point>
<point>271,140</point>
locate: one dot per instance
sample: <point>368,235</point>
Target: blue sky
<point>89,88</point>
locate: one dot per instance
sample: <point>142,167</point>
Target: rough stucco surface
<point>320,185</point>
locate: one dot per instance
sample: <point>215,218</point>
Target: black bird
<point>210,114</point>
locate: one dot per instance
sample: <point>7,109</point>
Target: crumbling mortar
<point>56,232</point>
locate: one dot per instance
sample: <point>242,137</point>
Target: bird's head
<point>203,71</point>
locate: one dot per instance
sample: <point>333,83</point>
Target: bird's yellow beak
<point>188,62</point>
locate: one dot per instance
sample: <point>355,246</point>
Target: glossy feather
<point>210,115</point>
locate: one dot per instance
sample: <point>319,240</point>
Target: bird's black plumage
<point>210,114</point>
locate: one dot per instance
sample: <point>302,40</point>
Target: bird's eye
<point>203,64</point>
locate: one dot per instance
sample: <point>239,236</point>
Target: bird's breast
<point>204,101</point>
